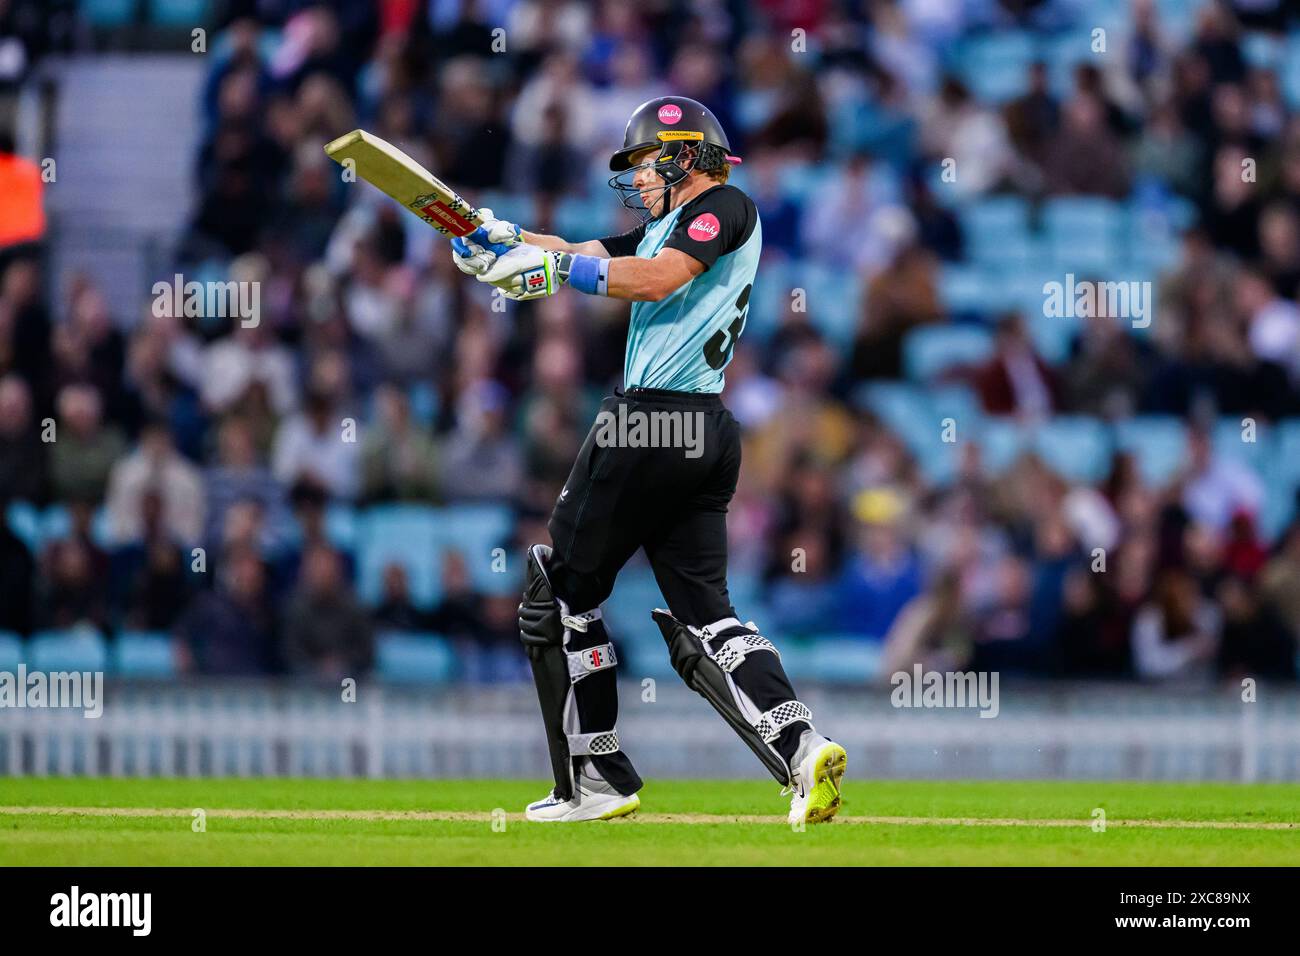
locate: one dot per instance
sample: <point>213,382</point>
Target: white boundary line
<point>642,818</point>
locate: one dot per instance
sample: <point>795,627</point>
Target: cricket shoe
<point>594,800</point>
<point>818,765</point>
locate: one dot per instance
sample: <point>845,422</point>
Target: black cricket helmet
<point>687,135</point>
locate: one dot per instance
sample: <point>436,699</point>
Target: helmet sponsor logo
<point>670,114</point>
<point>704,228</point>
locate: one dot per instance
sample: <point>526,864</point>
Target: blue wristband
<point>589,274</point>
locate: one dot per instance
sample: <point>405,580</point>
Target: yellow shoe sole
<point>824,800</point>
<point>624,810</point>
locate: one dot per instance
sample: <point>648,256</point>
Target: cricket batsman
<point>688,270</point>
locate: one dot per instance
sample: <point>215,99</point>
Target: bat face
<point>390,170</point>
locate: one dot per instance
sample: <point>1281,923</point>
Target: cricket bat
<point>391,171</point>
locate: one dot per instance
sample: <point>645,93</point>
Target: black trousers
<point>671,501</point>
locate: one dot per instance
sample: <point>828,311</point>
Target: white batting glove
<point>476,253</point>
<point>528,272</point>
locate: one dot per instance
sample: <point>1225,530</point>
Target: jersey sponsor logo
<point>670,114</point>
<point>704,228</point>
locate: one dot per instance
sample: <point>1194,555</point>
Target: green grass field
<point>324,822</point>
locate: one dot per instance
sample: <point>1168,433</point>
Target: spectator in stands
<point>1255,642</point>
<point>85,449</point>
<point>326,632</point>
<point>459,613</point>
<point>482,461</point>
<point>1216,487</point>
<point>1085,157</point>
<point>1094,630</point>
<point>155,468</point>
<point>151,583</point>
<point>396,609</point>
<point>880,578</point>
<point>398,459</point>
<point>23,475</point>
<point>801,600</point>
<point>238,475</point>
<point>1015,380</point>
<point>1280,581</point>
<point>933,629</point>
<point>1032,119</point>
<point>22,210</point>
<point>246,360</point>
<point>25,326</point>
<point>1013,635</point>
<point>970,134</point>
<point>76,594</point>
<point>17,577</point>
<point>319,446</point>
<point>231,630</point>
<point>1176,635</point>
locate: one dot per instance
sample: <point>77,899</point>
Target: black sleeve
<point>713,224</point>
<point>624,245</point>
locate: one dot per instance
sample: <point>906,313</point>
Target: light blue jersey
<point>683,342</point>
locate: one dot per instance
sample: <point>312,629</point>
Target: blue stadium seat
<point>516,207</point>
<point>800,180</point>
<point>834,303</point>
<point>1278,511</point>
<point>341,526</point>
<point>938,460</point>
<point>836,659</point>
<point>24,521</point>
<point>11,651</point>
<point>1286,457</point>
<point>148,654</point>
<point>971,290</point>
<point>636,594</point>
<point>1152,238</point>
<point>770,300</point>
<point>405,535</point>
<point>995,219</point>
<point>180,13</point>
<point>475,530</point>
<point>1001,442</point>
<point>411,657</point>
<point>1076,447</point>
<point>1228,442</point>
<point>70,650</point>
<point>958,402</point>
<point>1083,234</point>
<point>1158,442</point>
<point>424,403</point>
<point>899,405</point>
<point>585,218</point>
<point>1289,77</point>
<point>930,350</point>
<point>798,657</point>
<point>56,523</point>
<point>108,13</point>
<point>995,65</point>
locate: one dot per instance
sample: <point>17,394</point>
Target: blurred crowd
<point>175,433</point>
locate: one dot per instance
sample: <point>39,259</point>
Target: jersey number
<point>717,350</point>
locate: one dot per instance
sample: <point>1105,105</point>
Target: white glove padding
<point>475,254</point>
<point>528,272</point>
